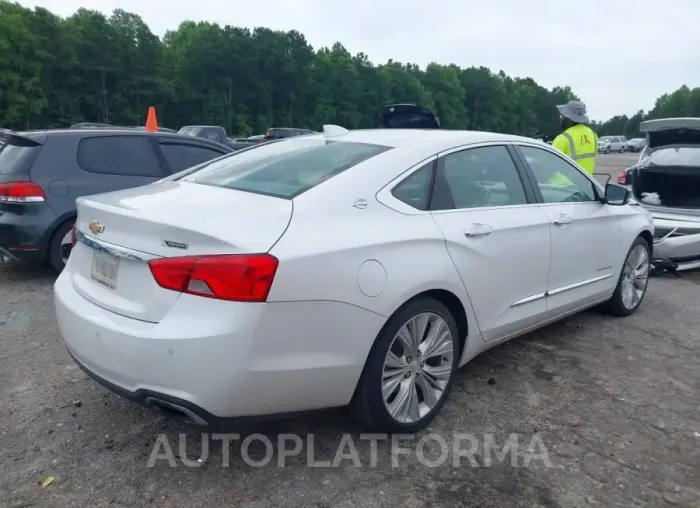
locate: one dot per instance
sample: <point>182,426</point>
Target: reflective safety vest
<point>580,143</point>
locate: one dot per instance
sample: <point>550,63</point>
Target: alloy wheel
<point>418,367</point>
<point>635,276</point>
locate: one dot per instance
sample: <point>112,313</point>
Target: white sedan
<point>357,269</point>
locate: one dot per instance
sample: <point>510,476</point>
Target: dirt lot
<point>614,403</point>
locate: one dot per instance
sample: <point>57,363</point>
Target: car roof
<point>431,139</point>
<point>86,133</point>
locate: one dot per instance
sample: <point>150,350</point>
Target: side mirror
<point>617,195</point>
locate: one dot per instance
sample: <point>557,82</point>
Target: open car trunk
<point>673,187</point>
<point>668,174</point>
<point>407,116</point>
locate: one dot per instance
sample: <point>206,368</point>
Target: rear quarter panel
<point>634,221</point>
<point>373,258</point>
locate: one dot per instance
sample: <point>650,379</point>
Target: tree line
<point>57,71</point>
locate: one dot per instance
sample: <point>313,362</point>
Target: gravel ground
<point>611,405</point>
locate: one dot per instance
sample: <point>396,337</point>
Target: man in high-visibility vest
<point>578,141</point>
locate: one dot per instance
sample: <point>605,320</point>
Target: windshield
<point>284,169</point>
<point>686,156</point>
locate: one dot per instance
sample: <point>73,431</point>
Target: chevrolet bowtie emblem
<point>96,227</point>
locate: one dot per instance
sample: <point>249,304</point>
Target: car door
<point>584,231</point>
<point>180,155</point>
<point>497,236</point>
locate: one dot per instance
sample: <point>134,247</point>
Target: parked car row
<point>218,134</point>
<point>199,270</point>
<point>609,144</point>
<point>224,292</point>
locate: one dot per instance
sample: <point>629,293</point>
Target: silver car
<point>607,144</point>
<point>666,181</point>
<point>636,145</point>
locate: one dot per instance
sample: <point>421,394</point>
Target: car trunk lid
<point>668,171</point>
<point>119,232</point>
<point>408,116</point>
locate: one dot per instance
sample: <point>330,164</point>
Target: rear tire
<point>58,250</point>
<point>402,388</point>
<point>634,280</point>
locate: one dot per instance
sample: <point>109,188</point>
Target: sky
<point>618,56</point>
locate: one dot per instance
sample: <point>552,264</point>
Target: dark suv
<point>43,172</point>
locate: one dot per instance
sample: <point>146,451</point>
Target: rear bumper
<point>222,360</point>
<point>25,231</point>
<point>682,250</point>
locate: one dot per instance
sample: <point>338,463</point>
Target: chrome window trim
<point>385,196</point>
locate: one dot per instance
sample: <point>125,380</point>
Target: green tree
<point>90,67</point>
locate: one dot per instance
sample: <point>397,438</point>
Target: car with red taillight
<point>348,268</point>
<point>43,172</point>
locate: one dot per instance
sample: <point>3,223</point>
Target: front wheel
<point>632,285</point>
<point>607,149</point>
<point>410,369</point>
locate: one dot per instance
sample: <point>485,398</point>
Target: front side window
<point>558,181</point>
<point>284,169</point>
<point>475,178</point>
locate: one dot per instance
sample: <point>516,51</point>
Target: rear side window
<point>181,156</point>
<point>17,159</point>
<point>415,190</point>
<point>119,155</point>
<point>477,177</point>
<point>285,169</point>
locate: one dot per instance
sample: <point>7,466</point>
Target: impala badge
<point>175,245</point>
<point>96,227</point>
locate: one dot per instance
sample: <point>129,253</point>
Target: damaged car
<point>666,181</point>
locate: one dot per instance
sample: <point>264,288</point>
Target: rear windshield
<point>286,168</point>
<point>17,158</point>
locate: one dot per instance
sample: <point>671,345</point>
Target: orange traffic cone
<point>151,123</point>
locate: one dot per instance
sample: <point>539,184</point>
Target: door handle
<point>562,218</point>
<point>478,230</point>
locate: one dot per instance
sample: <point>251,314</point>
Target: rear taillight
<point>73,236</point>
<point>622,179</point>
<point>21,192</point>
<point>238,277</point>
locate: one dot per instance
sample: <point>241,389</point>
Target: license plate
<point>105,268</point>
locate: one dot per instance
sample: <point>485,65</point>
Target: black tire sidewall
<point>54,255</point>
<point>372,375</point>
